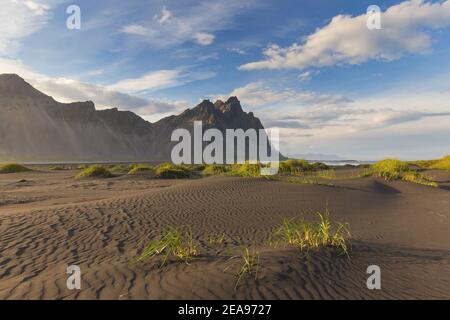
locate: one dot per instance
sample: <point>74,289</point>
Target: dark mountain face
<point>35,127</point>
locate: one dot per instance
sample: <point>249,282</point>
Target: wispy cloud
<point>196,22</point>
<point>70,90</point>
<point>161,79</point>
<point>19,19</point>
<point>204,39</point>
<point>257,94</point>
<point>306,110</point>
<point>347,40</point>
<point>238,51</point>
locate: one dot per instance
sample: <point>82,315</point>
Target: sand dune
<point>102,225</point>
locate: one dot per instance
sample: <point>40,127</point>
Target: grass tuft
<point>96,171</point>
<point>215,169</point>
<point>139,168</point>
<point>306,235</point>
<point>391,169</point>
<point>217,239</point>
<point>172,171</point>
<point>250,265</point>
<point>246,170</point>
<point>58,168</point>
<point>13,168</point>
<point>442,164</point>
<point>172,243</point>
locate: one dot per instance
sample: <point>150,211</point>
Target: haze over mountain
<point>36,128</point>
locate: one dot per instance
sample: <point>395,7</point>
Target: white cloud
<point>69,90</point>
<point>204,39</point>
<point>305,76</point>
<point>400,124</point>
<point>238,51</point>
<point>19,19</point>
<point>164,16</point>
<point>290,108</point>
<point>347,40</point>
<point>136,29</point>
<point>160,79</point>
<point>257,94</point>
<point>184,23</point>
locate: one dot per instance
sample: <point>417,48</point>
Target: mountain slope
<point>35,127</point>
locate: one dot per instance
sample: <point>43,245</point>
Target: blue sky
<point>311,68</point>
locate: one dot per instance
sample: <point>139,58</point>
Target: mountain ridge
<point>35,127</point>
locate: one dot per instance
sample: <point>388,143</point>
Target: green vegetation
<point>442,164</point>
<point>139,168</point>
<point>391,169</point>
<point>83,166</point>
<point>300,166</point>
<point>215,169</point>
<point>250,265</point>
<point>326,174</point>
<point>217,239</point>
<point>173,242</point>
<point>58,168</point>
<point>172,171</point>
<point>310,235</point>
<point>96,171</point>
<point>307,180</point>
<point>13,168</point>
<point>246,170</point>
<point>118,168</point>
<point>195,167</point>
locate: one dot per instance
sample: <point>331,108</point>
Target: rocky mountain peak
<point>35,127</point>
<point>14,85</point>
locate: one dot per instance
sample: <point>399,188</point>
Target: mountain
<point>35,127</point>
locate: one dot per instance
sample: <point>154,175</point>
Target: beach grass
<point>250,265</point>
<point>215,169</point>
<point>392,169</point>
<point>139,168</point>
<point>442,164</point>
<point>13,168</point>
<point>246,170</point>
<point>307,235</point>
<point>173,171</point>
<point>172,243</point>
<point>96,171</point>
<point>217,239</point>
<point>58,168</point>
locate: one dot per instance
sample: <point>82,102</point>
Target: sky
<point>313,69</point>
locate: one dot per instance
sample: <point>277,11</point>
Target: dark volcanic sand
<point>51,220</point>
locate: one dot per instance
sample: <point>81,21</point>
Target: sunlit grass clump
<point>139,168</point>
<point>215,169</point>
<point>13,168</point>
<point>249,267</point>
<point>246,170</point>
<point>307,235</point>
<point>172,243</point>
<point>95,171</point>
<point>173,171</point>
<point>300,166</point>
<point>391,169</point>
<point>58,168</point>
<point>118,168</point>
<point>442,164</point>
